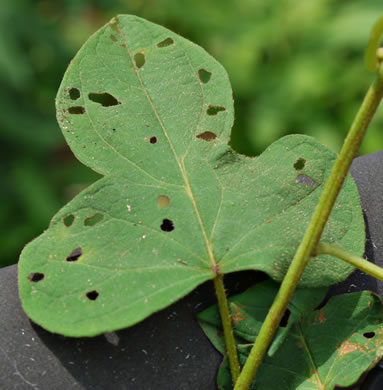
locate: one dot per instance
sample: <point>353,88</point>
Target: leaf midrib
<point>188,188</point>
<point>301,336</point>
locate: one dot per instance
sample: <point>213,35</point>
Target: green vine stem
<point>313,233</point>
<point>373,53</point>
<point>364,265</point>
<point>231,347</point>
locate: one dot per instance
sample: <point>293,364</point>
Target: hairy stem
<point>231,347</point>
<point>313,233</point>
<point>358,262</point>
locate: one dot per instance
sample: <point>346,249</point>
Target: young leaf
<point>249,309</point>
<point>152,112</point>
<point>329,347</point>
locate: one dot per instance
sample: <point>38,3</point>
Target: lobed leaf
<point>152,113</point>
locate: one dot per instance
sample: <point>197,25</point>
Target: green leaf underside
<point>329,347</point>
<point>175,200</point>
<point>249,310</point>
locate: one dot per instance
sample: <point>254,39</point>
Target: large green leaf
<point>152,112</point>
<point>329,347</point>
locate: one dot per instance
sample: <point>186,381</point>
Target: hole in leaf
<point>305,180</point>
<point>113,38</point>
<point>94,219</point>
<point>167,225</point>
<point>369,335</point>
<point>76,110</point>
<point>163,201</point>
<point>92,295</point>
<point>214,110</point>
<point>285,319</point>
<point>207,136</point>
<point>204,76</point>
<point>36,277</point>
<point>103,98</point>
<point>74,93</point>
<point>165,43</point>
<point>299,164</point>
<point>139,60</point>
<point>153,140</point>
<point>68,220</point>
<point>74,255</point>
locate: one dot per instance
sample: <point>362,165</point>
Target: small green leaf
<point>329,347</point>
<point>152,113</point>
<point>249,310</point>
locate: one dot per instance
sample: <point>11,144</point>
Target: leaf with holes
<point>330,347</point>
<point>152,113</point>
<point>249,310</point>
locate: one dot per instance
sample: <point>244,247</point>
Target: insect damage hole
<point>204,76</point>
<point>94,219</point>
<point>76,110</point>
<point>165,43</point>
<point>163,201</point>
<point>139,59</point>
<point>153,140</point>
<point>369,335</point>
<point>68,220</point>
<point>103,98</point>
<point>167,225</point>
<point>36,277</point>
<point>74,255</point>
<point>285,319</point>
<point>214,110</point>
<point>299,164</point>
<point>92,295</point>
<point>74,93</point>
<point>207,136</point>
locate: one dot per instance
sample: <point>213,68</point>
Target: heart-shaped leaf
<point>152,112</point>
<point>329,347</point>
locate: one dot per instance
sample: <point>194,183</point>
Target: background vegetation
<point>295,67</point>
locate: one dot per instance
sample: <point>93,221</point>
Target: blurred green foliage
<point>295,67</point>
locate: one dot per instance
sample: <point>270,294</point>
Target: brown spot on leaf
<point>163,201</point>
<point>322,317</point>
<point>236,314</point>
<point>182,261</point>
<point>348,347</point>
